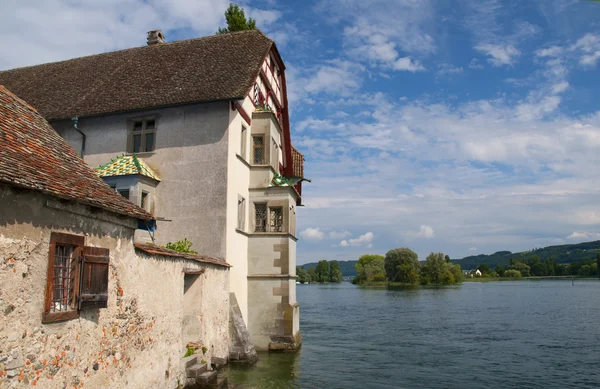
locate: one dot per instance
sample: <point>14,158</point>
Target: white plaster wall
<point>134,343</point>
<point>238,181</point>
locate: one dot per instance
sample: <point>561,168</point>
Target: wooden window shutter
<point>93,292</point>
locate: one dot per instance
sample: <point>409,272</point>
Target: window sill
<point>54,317</point>
<point>272,234</point>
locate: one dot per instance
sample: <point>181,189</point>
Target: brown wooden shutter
<point>93,292</point>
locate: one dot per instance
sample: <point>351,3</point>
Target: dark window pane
<point>145,200</point>
<point>150,125</point>
<point>137,126</point>
<point>137,143</point>
<point>124,193</point>
<point>149,142</point>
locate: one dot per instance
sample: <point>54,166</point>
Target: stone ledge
<point>277,276</point>
<point>286,342</point>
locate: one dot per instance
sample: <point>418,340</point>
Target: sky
<point>452,126</point>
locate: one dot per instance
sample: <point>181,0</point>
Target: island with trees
<point>402,266</point>
<point>323,273</point>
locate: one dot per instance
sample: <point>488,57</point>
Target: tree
<point>322,271</point>
<point>598,264</point>
<point>368,267</point>
<point>402,265</point>
<point>335,273</point>
<point>236,20</point>
<point>500,270</point>
<point>312,274</point>
<point>512,273</point>
<point>302,275</point>
<point>434,269</point>
<point>182,246</point>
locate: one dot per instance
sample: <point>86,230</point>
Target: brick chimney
<point>155,37</point>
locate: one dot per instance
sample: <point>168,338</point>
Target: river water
<point>524,334</point>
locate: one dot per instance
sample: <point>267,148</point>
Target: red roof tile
<point>34,156</point>
<point>156,250</point>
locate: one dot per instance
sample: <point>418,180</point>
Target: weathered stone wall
<point>134,343</point>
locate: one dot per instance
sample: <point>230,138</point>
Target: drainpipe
<point>75,120</point>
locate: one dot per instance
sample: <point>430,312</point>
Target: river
<point>523,334</point>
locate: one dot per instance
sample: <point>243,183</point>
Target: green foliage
<point>369,267</point>
<point>312,274</point>
<point>236,20</point>
<point>402,265</point>
<point>437,271</point>
<point>322,271</point>
<point>263,107</point>
<point>512,273</point>
<point>183,246</point>
<point>204,350</point>
<point>335,274</point>
<point>302,275</point>
<point>347,267</point>
<point>190,351</point>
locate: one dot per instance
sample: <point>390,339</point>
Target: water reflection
<point>273,370</point>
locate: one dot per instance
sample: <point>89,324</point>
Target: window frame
<point>266,218</point>
<point>270,220</point>
<point>78,242</point>
<point>261,147</point>
<point>88,274</point>
<point>244,142</point>
<point>241,213</point>
<point>143,132</point>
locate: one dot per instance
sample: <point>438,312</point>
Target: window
<point>276,219</point>
<point>141,137</point>
<point>260,217</point>
<point>258,150</point>
<point>241,213</point>
<point>77,278</point>
<point>124,193</point>
<point>243,142</point>
<point>144,200</point>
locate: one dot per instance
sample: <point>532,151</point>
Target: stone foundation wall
<point>136,342</point>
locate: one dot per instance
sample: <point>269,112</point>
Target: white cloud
<point>500,54</point>
<point>407,64</point>
<point>448,69</point>
<point>314,234</point>
<point>552,51</point>
<point>589,47</point>
<point>336,77</point>
<point>584,236</point>
<point>425,232</point>
<point>339,234</point>
<point>363,240</point>
<point>474,64</point>
<point>473,249</point>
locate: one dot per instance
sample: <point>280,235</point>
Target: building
<point>81,303</point>
<point>209,117</point>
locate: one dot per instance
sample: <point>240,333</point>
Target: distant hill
<point>347,267</point>
<point>566,253</point>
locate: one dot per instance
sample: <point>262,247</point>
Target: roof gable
<point>218,67</point>
<point>34,156</point>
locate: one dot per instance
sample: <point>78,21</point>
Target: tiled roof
<point>34,156</point>
<point>126,165</point>
<point>218,67</point>
<point>298,160</point>
<point>157,250</point>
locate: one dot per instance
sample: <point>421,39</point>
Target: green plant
<point>236,20</point>
<point>204,349</point>
<point>263,107</point>
<point>182,246</point>
<point>203,361</point>
<point>190,351</point>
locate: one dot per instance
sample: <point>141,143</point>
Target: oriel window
<point>260,218</point>
<point>276,219</point>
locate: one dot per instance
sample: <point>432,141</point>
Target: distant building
<point>207,122</point>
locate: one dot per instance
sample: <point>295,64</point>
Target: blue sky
<point>456,126</point>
